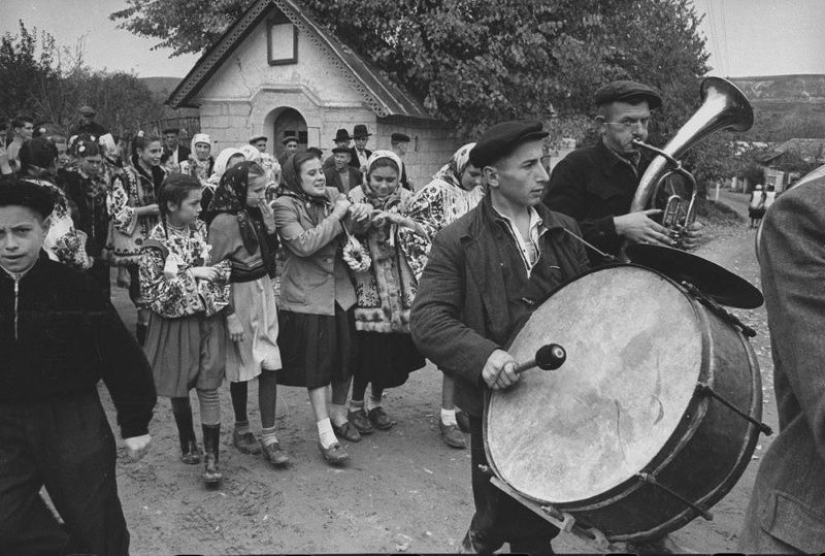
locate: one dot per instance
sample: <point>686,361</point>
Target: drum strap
<point>606,256</point>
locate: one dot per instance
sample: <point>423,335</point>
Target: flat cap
<point>171,130</point>
<point>502,139</point>
<point>289,139</point>
<point>26,194</point>
<point>628,91</point>
<point>340,150</point>
<point>87,110</point>
<point>400,138</point>
<point>256,138</point>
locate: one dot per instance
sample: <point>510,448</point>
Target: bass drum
<point>626,436</point>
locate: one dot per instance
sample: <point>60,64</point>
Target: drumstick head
<point>550,357</point>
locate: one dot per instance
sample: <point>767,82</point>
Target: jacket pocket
<point>292,291</point>
<point>795,523</point>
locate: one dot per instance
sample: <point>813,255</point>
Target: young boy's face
<point>22,232</point>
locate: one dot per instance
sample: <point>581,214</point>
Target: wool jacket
<point>788,502</point>
<point>59,336</point>
<point>462,312</point>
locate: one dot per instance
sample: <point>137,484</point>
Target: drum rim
<point>688,428</point>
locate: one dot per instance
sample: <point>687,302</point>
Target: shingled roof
<point>381,95</point>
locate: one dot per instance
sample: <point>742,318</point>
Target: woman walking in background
<point>186,338</point>
<point>243,232</point>
<point>385,290</point>
<point>317,297</point>
<point>133,206</point>
<point>454,191</point>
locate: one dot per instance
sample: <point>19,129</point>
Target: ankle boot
<point>211,441</point>
<point>190,453</point>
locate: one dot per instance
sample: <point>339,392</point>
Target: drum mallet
<point>548,358</point>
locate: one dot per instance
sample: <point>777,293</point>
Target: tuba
<point>724,106</point>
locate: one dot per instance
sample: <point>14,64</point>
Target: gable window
<point>281,41</point>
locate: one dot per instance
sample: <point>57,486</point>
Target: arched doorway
<point>288,122</point>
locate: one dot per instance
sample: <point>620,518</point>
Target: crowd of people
<point>332,274</point>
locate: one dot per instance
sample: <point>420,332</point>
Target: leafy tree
<point>25,72</point>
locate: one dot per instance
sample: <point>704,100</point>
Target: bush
<point>717,213</point>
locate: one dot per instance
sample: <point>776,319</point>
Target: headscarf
<point>291,185</point>
<point>200,138</point>
<point>230,197</point>
<point>452,172</point>
<point>221,161</point>
<point>251,152</point>
<point>370,196</point>
<point>107,142</point>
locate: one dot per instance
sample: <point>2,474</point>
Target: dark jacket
<point>62,337</point>
<point>353,159</point>
<point>788,502</point>
<point>593,185</point>
<point>334,179</point>
<point>461,314</point>
<point>92,213</point>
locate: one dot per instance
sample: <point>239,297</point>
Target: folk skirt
<point>186,353</point>
<point>317,349</point>
<point>386,360</point>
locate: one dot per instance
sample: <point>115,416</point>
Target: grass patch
<point>717,213</point>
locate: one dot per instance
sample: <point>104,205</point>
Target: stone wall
<point>431,147</point>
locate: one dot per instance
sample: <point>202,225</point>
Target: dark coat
<point>788,502</point>
<point>593,185</point>
<point>460,315</point>
<point>334,179</point>
<point>353,158</point>
<point>62,336</point>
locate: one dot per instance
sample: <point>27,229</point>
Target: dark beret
<point>174,130</point>
<point>400,138</point>
<point>628,91</point>
<point>502,139</point>
<point>289,139</point>
<point>29,195</point>
<point>338,150</point>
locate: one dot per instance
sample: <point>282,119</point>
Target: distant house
<point>277,72</point>
<point>792,152</point>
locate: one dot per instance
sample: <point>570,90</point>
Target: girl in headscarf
<point>317,297</point>
<point>385,290</point>
<point>226,159</point>
<point>200,163</point>
<point>243,231</point>
<point>454,191</point>
<point>64,242</point>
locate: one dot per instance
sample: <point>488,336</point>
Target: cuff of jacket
<point>134,422</point>
<point>605,227</point>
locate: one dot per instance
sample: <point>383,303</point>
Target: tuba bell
<point>724,106</point>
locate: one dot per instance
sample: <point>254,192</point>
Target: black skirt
<point>386,360</point>
<point>316,350</point>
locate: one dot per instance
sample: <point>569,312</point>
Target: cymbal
<point>718,283</point>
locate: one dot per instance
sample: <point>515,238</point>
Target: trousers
<point>68,446</point>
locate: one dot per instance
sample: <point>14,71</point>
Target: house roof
<point>381,95</point>
<point>810,150</point>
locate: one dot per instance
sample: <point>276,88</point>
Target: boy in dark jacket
<point>58,337</point>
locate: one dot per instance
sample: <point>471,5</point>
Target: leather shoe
<point>463,421</point>
<point>191,454</point>
<point>274,454</point>
<point>335,454</point>
<point>361,422</point>
<point>380,419</point>
<point>347,431</point>
<point>452,436</point>
<point>246,442</point>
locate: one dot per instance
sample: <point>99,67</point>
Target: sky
<point>744,37</point>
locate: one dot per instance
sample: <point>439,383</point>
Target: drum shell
<point>704,457</point>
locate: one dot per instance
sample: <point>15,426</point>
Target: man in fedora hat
<point>173,152</point>
<point>87,124</point>
<point>342,141</point>
<point>595,185</point>
<point>360,153</point>
<point>342,176</point>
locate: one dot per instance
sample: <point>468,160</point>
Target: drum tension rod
<point>711,304</point>
<point>702,388</point>
<point>650,479</point>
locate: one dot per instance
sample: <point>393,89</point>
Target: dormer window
<point>281,41</point>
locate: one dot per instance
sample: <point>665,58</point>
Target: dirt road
<point>404,491</point>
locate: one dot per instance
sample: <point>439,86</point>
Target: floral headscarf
<point>454,169</point>
<point>230,197</point>
<point>370,196</point>
<point>291,185</point>
<point>251,153</point>
<point>220,163</point>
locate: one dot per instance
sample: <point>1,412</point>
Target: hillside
<point>783,88</point>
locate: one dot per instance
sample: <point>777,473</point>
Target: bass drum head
<point>634,356</point>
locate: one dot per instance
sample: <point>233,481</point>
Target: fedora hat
<point>360,131</point>
<point>342,135</point>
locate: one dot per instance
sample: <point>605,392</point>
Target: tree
<point>475,62</point>
<point>24,72</point>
